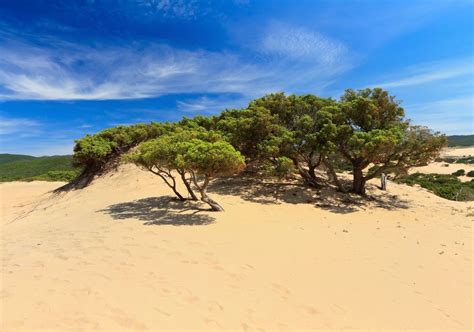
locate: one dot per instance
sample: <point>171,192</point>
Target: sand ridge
<point>123,255</point>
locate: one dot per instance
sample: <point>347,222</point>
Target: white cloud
<point>173,8</point>
<point>9,126</point>
<point>71,72</point>
<point>448,106</point>
<point>451,116</point>
<point>206,105</point>
<point>431,72</point>
<point>297,42</point>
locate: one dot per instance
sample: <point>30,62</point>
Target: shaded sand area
<point>123,255</point>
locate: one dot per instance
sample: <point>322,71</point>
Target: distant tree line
<point>365,131</point>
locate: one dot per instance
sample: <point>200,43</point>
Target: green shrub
<point>459,172</point>
<point>461,160</point>
<point>446,186</point>
<point>470,174</point>
<point>63,176</point>
<point>92,150</point>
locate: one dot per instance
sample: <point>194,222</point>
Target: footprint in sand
<point>311,310</point>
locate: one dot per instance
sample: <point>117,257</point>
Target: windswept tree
<point>254,132</point>
<point>159,157</point>
<point>94,152</point>
<point>207,160</point>
<point>373,132</point>
<point>308,121</point>
<point>196,155</point>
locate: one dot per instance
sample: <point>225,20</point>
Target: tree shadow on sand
<point>164,210</point>
<point>327,198</point>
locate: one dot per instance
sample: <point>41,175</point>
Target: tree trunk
<point>180,197</point>
<point>203,191</point>
<point>172,184</point>
<point>333,175</point>
<point>358,184</point>
<point>188,185</point>
<point>308,179</point>
<point>212,203</point>
<point>311,171</point>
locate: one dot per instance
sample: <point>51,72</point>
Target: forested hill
<point>461,140</point>
<point>6,157</point>
<point>15,167</point>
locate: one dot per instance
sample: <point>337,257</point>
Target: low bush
<point>63,176</point>
<point>470,174</point>
<point>459,172</point>
<point>446,186</point>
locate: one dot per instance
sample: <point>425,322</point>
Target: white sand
<point>449,168</point>
<point>121,255</point>
<point>458,152</point>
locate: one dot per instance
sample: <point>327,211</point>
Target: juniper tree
<point>308,120</point>
<point>207,160</point>
<point>373,132</point>
<point>197,153</point>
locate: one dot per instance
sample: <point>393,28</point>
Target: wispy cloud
<point>431,72</point>
<point>10,126</point>
<point>210,105</point>
<point>65,71</point>
<point>173,8</point>
<point>451,116</point>
<point>298,42</point>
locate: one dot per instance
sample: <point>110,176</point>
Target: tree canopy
<point>196,155</point>
<point>365,130</point>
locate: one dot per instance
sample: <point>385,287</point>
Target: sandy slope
<point>458,152</point>
<point>122,255</point>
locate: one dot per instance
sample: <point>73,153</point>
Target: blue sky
<point>68,68</point>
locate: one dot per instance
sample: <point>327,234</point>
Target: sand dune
<point>123,255</point>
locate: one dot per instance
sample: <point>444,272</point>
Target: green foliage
<point>365,128</point>
<point>210,159</point>
<point>446,186</point>
<point>373,131</point>
<point>94,151</point>
<point>166,151</point>
<point>470,174</point>
<point>195,150</point>
<point>63,176</point>
<point>309,127</point>
<point>457,160</point>
<point>461,140</point>
<point>283,168</point>
<point>6,157</point>
<point>459,172</point>
<point>38,168</point>
<point>254,132</point>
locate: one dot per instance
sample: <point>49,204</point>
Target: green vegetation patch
<point>453,160</point>
<point>446,186</point>
<point>459,172</point>
<point>28,168</point>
